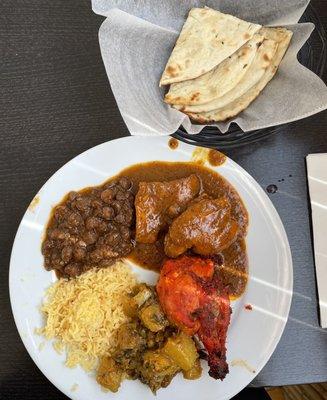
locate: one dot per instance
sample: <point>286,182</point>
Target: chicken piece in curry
<point>149,347</point>
<point>206,227</point>
<point>158,203</point>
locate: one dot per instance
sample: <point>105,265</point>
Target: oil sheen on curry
<point>150,213</point>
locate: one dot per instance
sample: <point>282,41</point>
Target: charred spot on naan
<point>195,96</point>
<point>244,51</point>
<point>170,99</point>
<point>197,118</point>
<point>172,71</point>
<point>266,57</point>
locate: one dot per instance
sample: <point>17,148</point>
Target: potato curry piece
<point>148,347</point>
<point>195,372</point>
<point>206,227</point>
<point>160,366</point>
<point>158,203</point>
<point>181,349</point>
<point>109,374</point>
<point>157,369</point>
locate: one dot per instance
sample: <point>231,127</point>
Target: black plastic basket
<point>313,55</point>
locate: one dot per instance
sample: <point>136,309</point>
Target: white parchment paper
<point>138,36</point>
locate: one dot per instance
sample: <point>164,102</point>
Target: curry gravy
<point>173,143</point>
<point>234,270</point>
<point>216,158</point>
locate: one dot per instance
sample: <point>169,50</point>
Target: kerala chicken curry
<point>194,202</point>
<point>182,220</point>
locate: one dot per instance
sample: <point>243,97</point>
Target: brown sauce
<point>149,255</point>
<point>234,271</point>
<point>34,203</point>
<point>202,155</point>
<point>216,158</point>
<point>173,143</point>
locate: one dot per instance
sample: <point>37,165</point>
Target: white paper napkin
<point>317,178</point>
<point>136,40</point>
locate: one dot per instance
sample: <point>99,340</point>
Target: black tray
<point>313,55</point>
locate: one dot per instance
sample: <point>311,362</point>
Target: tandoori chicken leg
<point>193,298</point>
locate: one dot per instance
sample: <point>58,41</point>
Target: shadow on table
<point>31,386</point>
<point>252,394</point>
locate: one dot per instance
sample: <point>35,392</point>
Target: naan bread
<point>255,72</point>
<point>208,37</point>
<point>280,35</point>
<point>218,81</point>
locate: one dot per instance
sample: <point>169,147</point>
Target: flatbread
<point>263,58</point>
<point>220,80</point>
<point>283,37</point>
<point>208,37</point>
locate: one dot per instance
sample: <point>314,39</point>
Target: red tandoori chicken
<point>193,298</point>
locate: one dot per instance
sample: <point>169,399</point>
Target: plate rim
<point>260,191</point>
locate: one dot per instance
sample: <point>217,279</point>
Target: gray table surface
<point>56,102</point>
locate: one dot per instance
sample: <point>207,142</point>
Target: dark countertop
<point>56,102</point>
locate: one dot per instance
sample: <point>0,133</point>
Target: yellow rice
<point>83,313</point>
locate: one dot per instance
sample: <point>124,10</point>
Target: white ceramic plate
<point>252,336</point>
